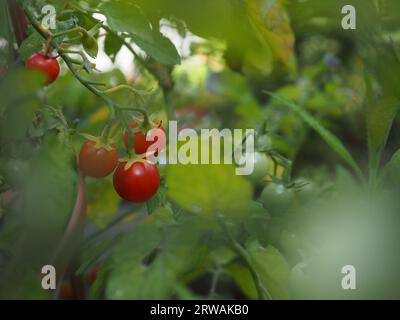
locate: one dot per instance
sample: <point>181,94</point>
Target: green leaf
<point>258,221</point>
<point>92,253</point>
<point>208,190</point>
<point>272,25</point>
<point>333,142</point>
<point>271,267</point>
<point>184,293</point>
<point>151,260</point>
<point>112,45</point>
<point>31,45</point>
<point>159,47</point>
<point>243,279</point>
<point>156,201</point>
<point>90,45</point>
<point>379,121</point>
<point>126,17</point>
<point>18,103</point>
<point>49,194</point>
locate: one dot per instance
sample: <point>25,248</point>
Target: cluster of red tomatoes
<point>136,180</point>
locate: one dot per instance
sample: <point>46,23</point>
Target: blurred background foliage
<point>217,59</point>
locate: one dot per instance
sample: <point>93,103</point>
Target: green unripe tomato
<point>259,163</point>
<point>290,244</point>
<point>276,198</point>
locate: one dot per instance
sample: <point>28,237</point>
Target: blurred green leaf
<point>380,117</point>
<point>126,16</point>
<point>112,45</point>
<point>149,262</point>
<point>156,201</point>
<point>18,104</point>
<point>102,201</point>
<point>208,190</point>
<point>272,24</point>
<point>90,45</point>
<point>271,267</point>
<point>31,45</point>
<point>243,278</point>
<point>325,134</point>
<point>46,201</point>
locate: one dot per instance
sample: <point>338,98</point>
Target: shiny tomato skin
<point>47,65</point>
<point>140,143</point>
<point>97,162</point>
<point>138,183</point>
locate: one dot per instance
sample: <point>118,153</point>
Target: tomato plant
<point>280,83</point>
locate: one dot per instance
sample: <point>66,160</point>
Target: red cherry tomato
<point>137,183</point>
<point>97,162</point>
<point>47,65</point>
<point>139,138</point>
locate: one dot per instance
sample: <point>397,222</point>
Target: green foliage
<point>148,263</point>
<point>47,199</point>
<point>102,202</point>
<point>380,117</point>
<point>271,267</point>
<point>125,16</point>
<point>207,232</point>
<point>208,190</point>
<point>392,168</point>
<point>328,137</point>
<point>30,45</point>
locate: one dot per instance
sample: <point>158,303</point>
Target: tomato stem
<point>127,87</point>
